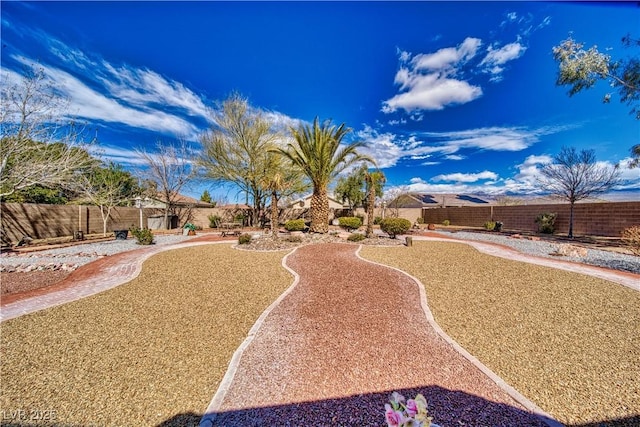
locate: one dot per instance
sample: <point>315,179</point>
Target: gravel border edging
<point>529,405</point>
<point>210,414</point>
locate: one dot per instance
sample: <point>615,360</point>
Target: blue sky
<point>455,97</point>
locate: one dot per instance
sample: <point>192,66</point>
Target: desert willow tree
<point>235,150</point>
<point>318,151</point>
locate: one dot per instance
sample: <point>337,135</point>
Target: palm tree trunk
<point>274,215</point>
<point>371,195</point>
<point>319,211</point>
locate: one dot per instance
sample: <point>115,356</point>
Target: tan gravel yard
<point>568,342</point>
<point>148,352</point>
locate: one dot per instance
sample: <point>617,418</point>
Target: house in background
<point>179,213</point>
<point>299,208</point>
<point>424,200</point>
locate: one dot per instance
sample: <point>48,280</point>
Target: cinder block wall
<point>596,219</point>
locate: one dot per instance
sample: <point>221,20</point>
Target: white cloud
<point>432,81</point>
<point>447,58</point>
<point>492,138</point>
<point>137,97</point>
<point>466,177</point>
<point>493,63</point>
<point>502,55</point>
<point>388,148</point>
<point>89,104</point>
<point>384,148</point>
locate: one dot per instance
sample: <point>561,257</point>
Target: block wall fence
<point>41,221</point>
<point>596,219</point>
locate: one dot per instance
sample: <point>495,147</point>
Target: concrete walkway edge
<point>211,412</point>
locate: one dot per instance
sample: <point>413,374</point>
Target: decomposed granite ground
<point>149,351</point>
<point>567,341</point>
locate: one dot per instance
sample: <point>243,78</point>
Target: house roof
<point>429,200</point>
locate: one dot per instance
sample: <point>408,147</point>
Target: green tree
<point>319,153</point>
<point>235,150</point>
<point>39,194</point>
<point>206,197</point>
<point>350,188</point>
<point>106,186</point>
<point>581,69</point>
<point>574,176</point>
<point>375,181</point>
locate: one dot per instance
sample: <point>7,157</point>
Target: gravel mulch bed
<point>148,352</point>
<point>567,341</point>
<point>348,335</point>
<point>268,243</point>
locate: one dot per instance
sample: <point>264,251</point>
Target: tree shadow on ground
<point>447,407</point>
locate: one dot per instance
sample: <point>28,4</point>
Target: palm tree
<point>375,180</point>
<point>320,156</point>
<point>280,180</point>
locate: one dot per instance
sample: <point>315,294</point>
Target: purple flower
<point>411,408</point>
<point>394,418</point>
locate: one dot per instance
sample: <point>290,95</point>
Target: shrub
<point>376,220</point>
<point>294,225</point>
<point>631,237</point>
<point>214,220</point>
<point>356,237</point>
<point>244,239</point>
<point>546,222</point>
<point>490,225</point>
<point>190,226</point>
<point>446,222</point>
<point>395,226</point>
<point>420,220</point>
<point>294,239</point>
<point>350,222</point>
<point>144,236</point>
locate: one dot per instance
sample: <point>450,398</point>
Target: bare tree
<point>170,168</point>
<point>37,145</point>
<point>395,199</point>
<point>106,186</point>
<point>574,176</point>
